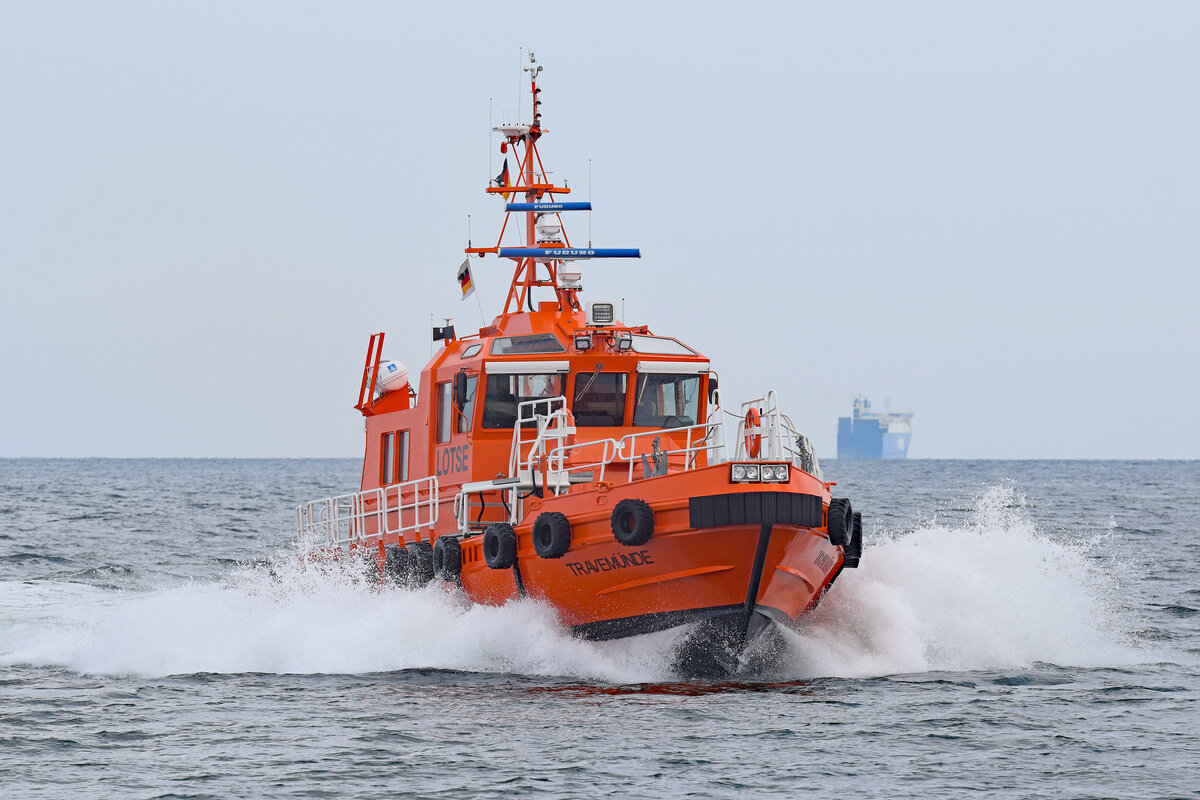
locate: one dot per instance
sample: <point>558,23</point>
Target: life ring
<point>420,563</point>
<point>551,534</point>
<point>499,545</point>
<point>633,522</point>
<point>447,558</point>
<point>840,523</point>
<point>569,439</point>
<point>568,443</point>
<point>753,441</point>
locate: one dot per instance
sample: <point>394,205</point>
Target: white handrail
<point>366,516</point>
<point>690,450</point>
<point>783,440</point>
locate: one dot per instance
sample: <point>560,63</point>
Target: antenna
<point>533,71</point>
<point>590,205</point>
<point>489,146</point>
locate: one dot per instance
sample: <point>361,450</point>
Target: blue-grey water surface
<point>1017,629</point>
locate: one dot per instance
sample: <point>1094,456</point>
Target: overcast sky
<point>984,213</point>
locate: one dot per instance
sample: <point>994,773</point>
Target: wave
<point>994,593</point>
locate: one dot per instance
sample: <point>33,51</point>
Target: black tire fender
<point>633,522</point>
<point>420,563</point>
<point>551,534</point>
<point>853,554</point>
<point>500,545</point>
<point>840,521</point>
<point>395,564</point>
<point>447,557</point>
<point>371,571</point>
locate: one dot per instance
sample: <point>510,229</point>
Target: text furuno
<point>616,561</point>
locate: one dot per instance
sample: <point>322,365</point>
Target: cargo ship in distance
<point>874,434</point>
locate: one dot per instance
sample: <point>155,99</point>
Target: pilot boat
<point>562,454</point>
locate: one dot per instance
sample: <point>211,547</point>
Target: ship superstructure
<point>874,434</point>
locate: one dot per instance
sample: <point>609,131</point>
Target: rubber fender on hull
<point>395,564</point>
<point>499,545</point>
<point>841,521</point>
<point>633,522</point>
<point>854,549</point>
<point>420,563</point>
<point>551,534</point>
<point>370,567</point>
<point>447,558</point>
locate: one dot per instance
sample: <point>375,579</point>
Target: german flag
<point>464,279</point>
<point>502,180</point>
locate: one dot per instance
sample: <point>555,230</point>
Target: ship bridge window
<point>667,401</point>
<point>505,392</point>
<point>523,345</point>
<point>600,399</point>
<point>445,412</point>
<point>387,460</point>
<point>468,409</point>
<point>470,351</point>
<point>393,458</point>
<point>661,345</point>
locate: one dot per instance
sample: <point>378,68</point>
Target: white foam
<point>993,594</point>
<point>292,620</point>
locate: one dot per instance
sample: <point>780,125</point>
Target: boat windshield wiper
<point>591,380</point>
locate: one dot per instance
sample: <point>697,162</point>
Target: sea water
<point>1020,629</point>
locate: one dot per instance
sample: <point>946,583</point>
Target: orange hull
<point>691,568</point>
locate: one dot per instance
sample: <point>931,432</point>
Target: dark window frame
<point>526,344</point>
<point>466,415</point>
<point>387,458</point>
<point>581,380</point>
<point>679,377</point>
<point>402,456</point>
<point>445,401</point>
<point>492,398</point>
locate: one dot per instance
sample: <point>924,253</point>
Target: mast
<point>546,243</point>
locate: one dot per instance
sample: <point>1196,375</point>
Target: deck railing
<point>554,463</point>
<point>551,461</point>
<point>364,517</point>
<point>782,441</point>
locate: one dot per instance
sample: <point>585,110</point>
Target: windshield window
<point>504,392</point>
<point>667,401</point>
<point>660,345</point>
<point>600,399</point>
<point>534,343</point>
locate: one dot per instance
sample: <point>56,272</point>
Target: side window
<point>468,410</point>
<point>445,409</point>
<point>402,453</point>
<point>667,401</point>
<point>600,399</point>
<point>387,459</point>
